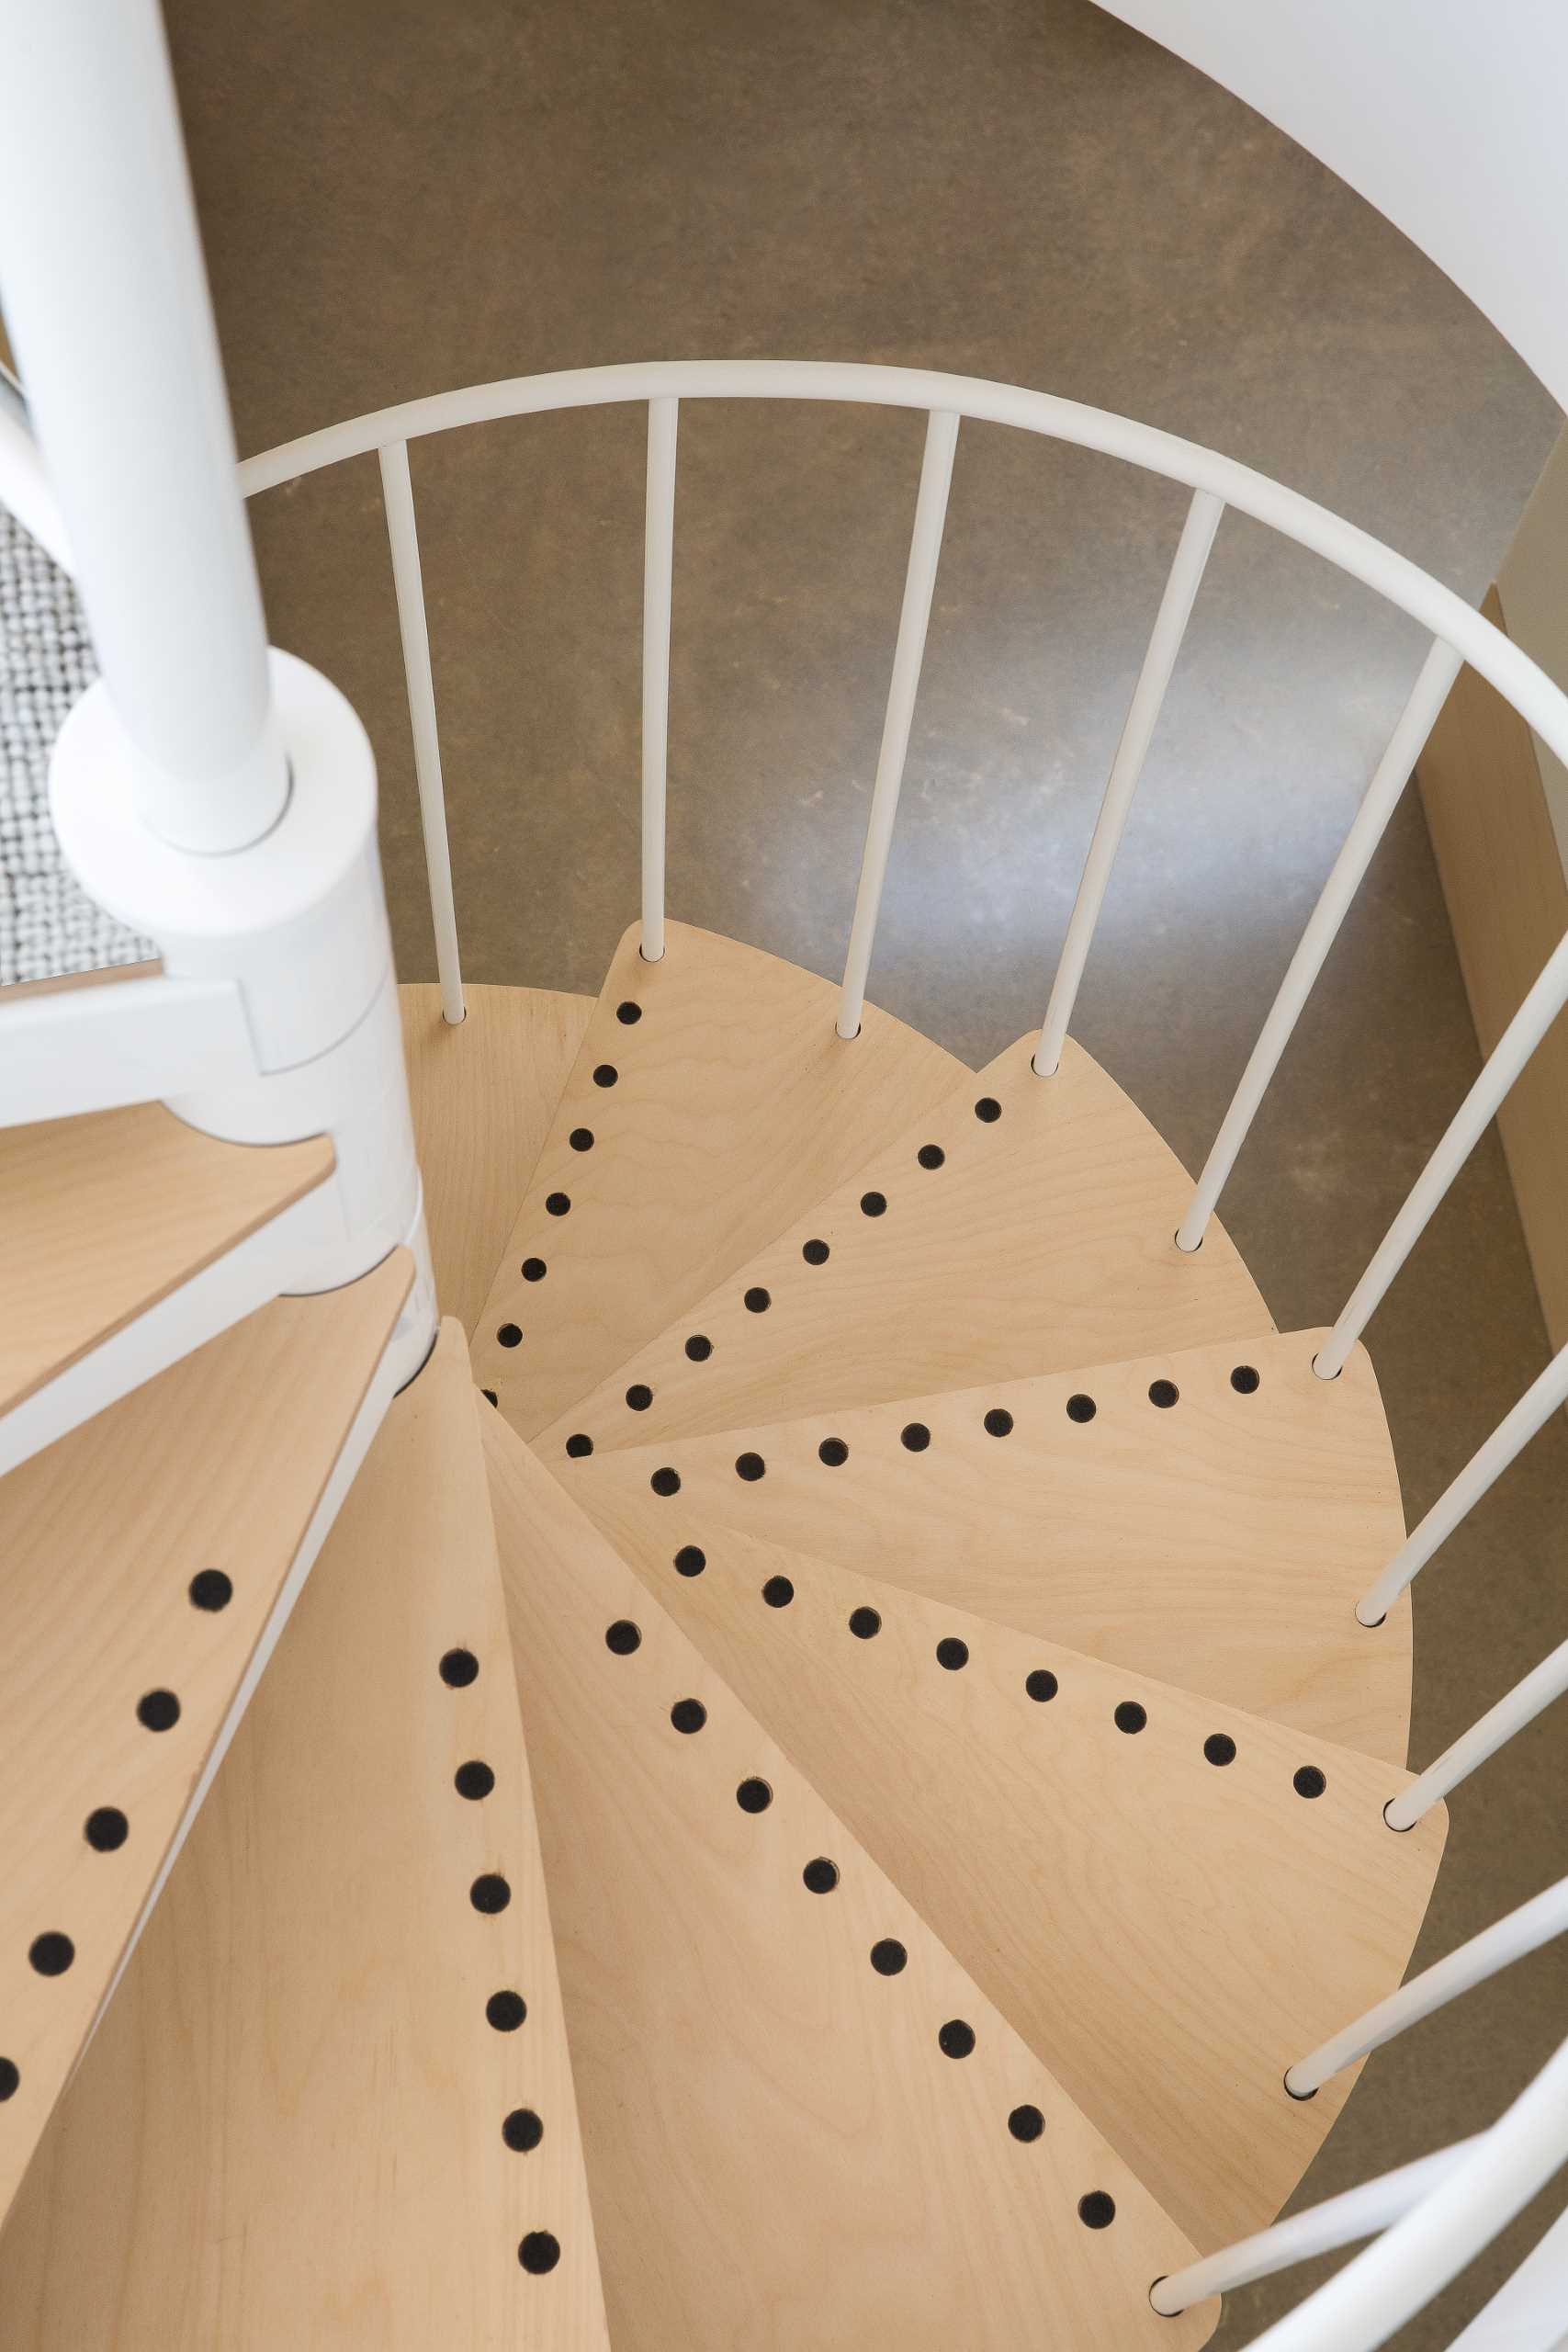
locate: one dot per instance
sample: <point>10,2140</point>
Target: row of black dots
<point>520,2129</point>
<point>107,1828</point>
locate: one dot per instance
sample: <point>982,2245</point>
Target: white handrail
<point>397,497</point>
<point>1492,1730</point>
<point>658,586</point>
<point>1143,717</point>
<point>919,582</point>
<point>1359,2212</point>
<point>1524,1930</point>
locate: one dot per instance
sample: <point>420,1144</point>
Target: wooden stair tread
<point>211,1470</point>
<point>289,2129</point>
<point>1168,1932</point>
<point>483,1095</point>
<point>781,2152</point>
<point>732,1105</point>
<point>1043,1237</point>
<point>1219,1541</point>
<point>107,1213</point>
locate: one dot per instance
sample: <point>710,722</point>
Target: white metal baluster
<point>1470,1121</point>
<point>658,565</point>
<point>1392,774</point>
<point>919,581</point>
<point>397,496</point>
<point>1518,1707</point>
<point>1359,2212</point>
<point>1143,717</point>
<point>1524,1930</point>
<point>1485,1466</point>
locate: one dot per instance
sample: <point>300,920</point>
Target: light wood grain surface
<point>288,2132</point>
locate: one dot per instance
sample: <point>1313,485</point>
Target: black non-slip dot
<point>538,2253</point>
<point>606,1074</point>
<point>52,1953</point>
<point>757,1300</point>
<point>930,1155</point>
<point>628,1012</point>
<point>158,1710</point>
<point>778,1592</point>
<point>987,1109</point>
<point>750,1466</point>
<point>558,1203</point>
<point>474,1779</point>
<point>209,1589</point>
<point>1245,1379</point>
<point>1041,1684</point>
<point>691,1560</point>
<point>490,1894</point>
<point>10,2078</point>
<point>106,1829</point>
<point>510,1335</point>
<point>522,2130</point>
<point>914,1437</point>
<point>699,1347</point>
<point>640,1397</point>
<point>1026,2123</point>
<point>815,1253</point>
<point>874,1204</point>
<point>1096,2210</point>
<point>505,2011</point>
<point>833,1452</point>
<point>579,1444</point>
<point>1081,1408</point>
<point>1309,1782</point>
<point>1220,1747</point>
<point>951,1652</point>
<point>864,1623</point>
<point>1163,1393</point>
<point>889,1957</point>
<point>820,1876</point>
<point>458,1668</point>
<point>998,1421</point>
<point>955,2039</point>
<point>533,1269</point>
<point>623,1637</point>
<point>688,1715</point>
<point>489,1397</point>
<point>581,1138</point>
<point>753,1795</point>
<point>1130,1716</point>
<point>666,1482</point>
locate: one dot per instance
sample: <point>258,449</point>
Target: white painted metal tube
<point>105,297</point>
<point>1485,1466</point>
<point>1475,1114</point>
<point>1143,717</point>
<point>1393,773</point>
<point>25,487</point>
<point>1359,2212</point>
<point>403,533</point>
<point>1529,2311</point>
<point>1494,1730</point>
<point>920,581</point>
<point>1495,1948</point>
<point>658,581</point>
<point>1415,2259</point>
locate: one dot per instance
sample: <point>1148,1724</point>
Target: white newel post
<point>217,798</point>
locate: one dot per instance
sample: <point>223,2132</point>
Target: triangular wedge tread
<point>106,1213</point>
<point>142,1558</point>
<point>788,2146</point>
<point>712,1102</point>
<point>483,1094</point>
<point>1026,1225</point>
<point>293,2128</point>
<point>1209,1517</point>
<point>1170,1901</point>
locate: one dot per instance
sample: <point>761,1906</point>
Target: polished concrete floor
<point>405,197</point>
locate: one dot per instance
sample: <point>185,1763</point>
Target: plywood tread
<point>142,1554</point>
<point>711,1104</point>
<point>106,1213</point>
<point>1170,1901</point>
<point>1211,1517</point>
<point>299,2125</point>
<point>483,1095</point>
<point>1025,1225</point>
<point>790,2143</point>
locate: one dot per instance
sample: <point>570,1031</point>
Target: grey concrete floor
<point>404,197</point>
